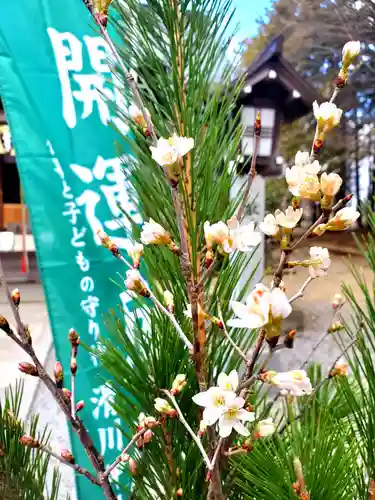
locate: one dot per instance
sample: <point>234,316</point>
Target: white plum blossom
<point>264,428</point>
<point>154,233</point>
<point>233,416</point>
<point>228,382</point>
<point>262,306</point>
<point>217,233</point>
<point>222,405</point>
<point>288,219</point>
<point>327,115</point>
<point>330,184</point>
<point>269,226</point>
<point>342,220</point>
<point>242,237</point>
<point>168,151</point>
<point>214,402</point>
<point>294,382</point>
<point>350,52</point>
<point>302,177</point>
<point>320,262</point>
<point>137,115</point>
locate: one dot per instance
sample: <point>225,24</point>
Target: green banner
<point>54,81</point>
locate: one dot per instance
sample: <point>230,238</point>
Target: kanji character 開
<point>109,178</point>
<point>102,401</point>
<point>86,88</point>
<point>90,305</point>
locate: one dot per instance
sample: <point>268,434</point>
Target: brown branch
<point>251,176</point>
<point>168,447</point>
<point>77,425</point>
<point>118,460</point>
<point>76,467</point>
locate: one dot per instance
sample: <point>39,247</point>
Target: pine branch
<point>77,424</point>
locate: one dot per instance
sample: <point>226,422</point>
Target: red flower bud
<point>29,441</point>
<point>73,337</point>
<point>147,436</point>
<point>132,467</point>
<point>28,368</point>
<point>73,366</point>
<point>179,492</point>
<point>80,405</point>
<point>59,374</point>
<point>67,393</point>
<point>67,455</point>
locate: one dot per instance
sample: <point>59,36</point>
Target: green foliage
<point>23,471</point>
<point>318,432</point>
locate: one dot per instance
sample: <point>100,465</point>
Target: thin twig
<point>73,396</point>
<point>118,460</point>
<point>250,178</point>
<point>163,309</point>
<point>76,467</point>
<point>216,454</point>
<point>301,290</point>
<point>77,425</point>
<point>131,82</point>
<point>232,343</point>
<point>189,429</point>
<point>319,341</point>
<point>247,383</point>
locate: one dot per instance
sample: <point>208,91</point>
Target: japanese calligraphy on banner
<point>55,84</point>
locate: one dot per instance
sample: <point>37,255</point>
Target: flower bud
<point>135,252</point>
<point>350,52</point>
<point>338,301</point>
<point>134,283</point>
<point>29,441</point>
<point>154,234</point>
<point>162,406</point>
<point>59,374</point>
<point>73,337</point>
<point>139,443</point>
<point>178,384</point>
<point>16,297</point>
<point>125,457</point>
<point>257,125</point>
<point>147,421</point>
<point>4,325</point>
<point>28,368</point>
<point>132,467</point>
<point>335,327</point>
<point>168,300</point>
<point>318,145</point>
<point>147,436</point>
<point>1,452</point>
<point>67,393</point>
<point>202,429</point>
<point>73,366</point>
<point>209,258</point>
<point>108,243</point>
<point>327,116</point>
<point>339,370</point>
<point>80,405</point>
<point>179,492</point>
<point>68,456</point>
<point>289,339</point>
<point>264,428</point>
